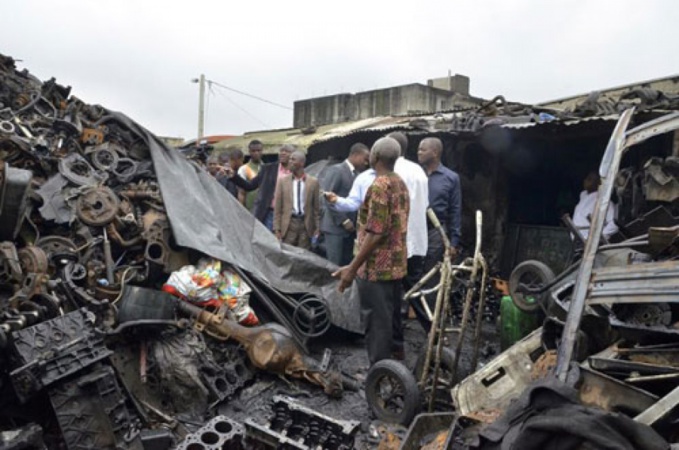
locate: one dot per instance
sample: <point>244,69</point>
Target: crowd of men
<point>370,210</point>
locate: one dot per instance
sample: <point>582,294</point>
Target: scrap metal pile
<point>99,346</point>
<point>498,111</point>
<point>603,370</point>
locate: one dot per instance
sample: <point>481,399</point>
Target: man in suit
<point>339,228</point>
<point>266,181</point>
<point>297,206</point>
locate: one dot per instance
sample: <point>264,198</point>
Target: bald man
<point>445,198</point>
<point>381,262</point>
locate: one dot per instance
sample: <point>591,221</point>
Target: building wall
<point>397,100</point>
<point>322,110</point>
<point>456,83</point>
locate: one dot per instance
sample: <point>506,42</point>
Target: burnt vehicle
<point>610,338</point>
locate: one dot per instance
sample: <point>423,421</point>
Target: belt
<point>298,216</point>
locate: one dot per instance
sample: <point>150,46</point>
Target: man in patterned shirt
<point>381,262</point>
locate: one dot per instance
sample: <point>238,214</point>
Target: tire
<point>392,393</point>
<point>533,274</point>
<point>443,401</point>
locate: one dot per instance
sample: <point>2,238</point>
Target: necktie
<point>299,197</point>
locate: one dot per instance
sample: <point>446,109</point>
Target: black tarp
<point>548,415</point>
<point>205,217</point>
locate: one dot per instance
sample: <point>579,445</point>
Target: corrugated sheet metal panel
<point>565,123</point>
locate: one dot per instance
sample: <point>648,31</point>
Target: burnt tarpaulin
<point>549,415</point>
<point>207,218</point>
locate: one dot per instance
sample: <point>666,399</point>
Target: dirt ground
<point>349,356</point>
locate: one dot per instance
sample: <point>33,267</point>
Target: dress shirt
<point>298,195</point>
<point>445,198</point>
<point>585,209</point>
<point>351,167</point>
<point>416,181</point>
<point>353,201</point>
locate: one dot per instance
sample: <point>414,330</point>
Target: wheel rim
<point>390,395</point>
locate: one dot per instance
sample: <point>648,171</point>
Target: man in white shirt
<point>585,208</point>
<point>416,239</point>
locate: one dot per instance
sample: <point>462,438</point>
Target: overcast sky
<point>139,56</point>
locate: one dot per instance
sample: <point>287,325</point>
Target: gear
<point>97,206</point>
<point>33,259</point>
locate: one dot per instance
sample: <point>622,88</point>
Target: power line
<point>250,95</point>
<point>242,109</point>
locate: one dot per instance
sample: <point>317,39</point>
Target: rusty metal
<point>92,136</point>
<point>435,339</point>
<point>10,269</point>
<point>609,394</point>
<point>484,415</point>
<point>97,206</point>
<point>115,236</point>
<point>141,191</point>
<point>33,259</point>
<point>545,365</point>
<point>269,347</point>
<point>78,171</point>
<point>624,367</point>
<point>501,380</point>
<point>104,157</point>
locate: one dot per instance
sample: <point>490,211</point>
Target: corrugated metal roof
<point>273,139</point>
<point>566,123</point>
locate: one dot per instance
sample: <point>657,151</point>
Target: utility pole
<point>201,107</point>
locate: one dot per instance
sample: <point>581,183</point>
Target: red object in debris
<point>213,302</point>
<point>173,291</point>
<point>250,320</point>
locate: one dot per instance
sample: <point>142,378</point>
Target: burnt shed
<point>523,176</point>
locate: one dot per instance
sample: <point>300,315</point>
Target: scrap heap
<point>602,371</point>
<point>111,335</point>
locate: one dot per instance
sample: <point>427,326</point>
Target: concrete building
<point>439,94</point>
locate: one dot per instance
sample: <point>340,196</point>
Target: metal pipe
<point>470,293</point>
<point>479,313</point>
<point>108,259</point>
<point>608,170</point>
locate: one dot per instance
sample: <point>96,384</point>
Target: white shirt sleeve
<point>241,172</point>
<point>355,198</point>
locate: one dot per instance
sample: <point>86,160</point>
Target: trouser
<point>268,220</point>
<point>339,249</point>
<point>297,234</point>
<point>415,269</point>
<point>434,255</point>
<point>380,316</point>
